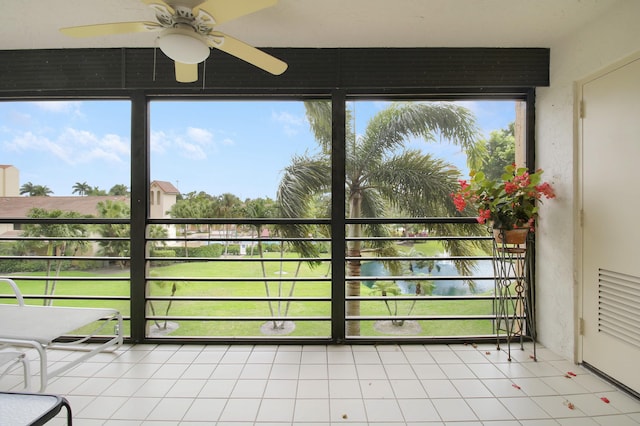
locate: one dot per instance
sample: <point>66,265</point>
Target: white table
<point>18,409</point>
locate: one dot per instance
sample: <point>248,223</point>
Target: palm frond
<point>417,184</point>
<point>303,179</point>
<point>392,126</point>
<point>319,117</point>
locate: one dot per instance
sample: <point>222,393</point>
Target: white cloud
<point>73,146</point>
<point>288,118</point>
<point>189,145</point>
<point>200,136</point>
<point>291,123</point>
<point>78,137</point>
<point>27,141</point>
<point>60,106</point>
<point>99,154</point>
<point>19,118</point>
<point>115,144</point>
<point>160,142</point>
<point>190,150</point>
<point>194,143</point>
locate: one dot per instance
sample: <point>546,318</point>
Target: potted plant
<point>508,203</point>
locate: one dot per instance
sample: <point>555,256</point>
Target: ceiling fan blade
<point>226,10</point>
<point>160,2</point>
<point>109,29</point>
<point>186,73</point>
<point>247,53</point>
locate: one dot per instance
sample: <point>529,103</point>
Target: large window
<point>243,236</point>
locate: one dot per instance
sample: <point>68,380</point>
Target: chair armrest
<point>16,290</point>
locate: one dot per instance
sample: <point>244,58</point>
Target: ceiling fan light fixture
<point>183,45</point>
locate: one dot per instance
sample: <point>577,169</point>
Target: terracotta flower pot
<point>511,236</point>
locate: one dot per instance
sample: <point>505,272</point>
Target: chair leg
<point>13,358</point>
<point>26,370</point>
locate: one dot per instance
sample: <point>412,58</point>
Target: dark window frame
<point>339,75</point>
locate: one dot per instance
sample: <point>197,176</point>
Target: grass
<point>213,287</point>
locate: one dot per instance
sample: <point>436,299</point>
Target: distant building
<point>12,205</point>
<point>9,181</point>
<point>162,197</point>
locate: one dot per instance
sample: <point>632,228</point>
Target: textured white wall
<point>610,38</point>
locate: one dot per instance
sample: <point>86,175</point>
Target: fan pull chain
<point>204,73</point>
<point>154,63</point>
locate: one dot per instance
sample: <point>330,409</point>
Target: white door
<point>611,223</point>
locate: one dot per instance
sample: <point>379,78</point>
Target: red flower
<point>510,187</point>
<point>509,201</point>
<point>546,189</point>
<point>523,180</point>
<point>459,201</point>
<point>484,215</point>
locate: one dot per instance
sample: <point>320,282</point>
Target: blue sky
<point>225,146</point>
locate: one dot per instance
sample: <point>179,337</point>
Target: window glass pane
<point>65,163</point>
<point>243,263</point>
<point>404,159</point>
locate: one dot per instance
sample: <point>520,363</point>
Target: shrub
<point>233,249</point>
<point>212,250</point>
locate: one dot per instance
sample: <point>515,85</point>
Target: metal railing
<point>214,286</point>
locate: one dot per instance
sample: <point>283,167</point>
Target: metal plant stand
<point>514,294</point>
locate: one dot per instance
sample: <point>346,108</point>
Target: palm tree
<point>116,248</point>
<point>27,188</point>
<point>227,206</point>
<point>119,189</point>
<point>56,246</point>
<point>192,205</point>
<point>81,188</point>
<point>35,190</point>
<point>381,173</point>
<point>41,191</point>
<point>260,209</point>
<point>95,191</point>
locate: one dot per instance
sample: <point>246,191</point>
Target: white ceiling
<point>33,24</point>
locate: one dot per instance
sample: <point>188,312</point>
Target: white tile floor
<point>330,385</point>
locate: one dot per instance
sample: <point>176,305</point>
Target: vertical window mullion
<point>338,243</point>
<point>139,212</point>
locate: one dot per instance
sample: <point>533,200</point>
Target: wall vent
<point>619,306</point>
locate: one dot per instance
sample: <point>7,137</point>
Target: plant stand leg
<point>513,295</point>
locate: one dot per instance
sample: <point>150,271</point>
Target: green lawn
<point>233,269</point>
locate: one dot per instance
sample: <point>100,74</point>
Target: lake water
<point>483,268</point>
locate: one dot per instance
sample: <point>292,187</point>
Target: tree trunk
<point>186,243</point>
<point>153,312</point>
<point>174,287</point>
<point>45,302</point>
<point>293,287</point>
<point>354,267</point>
<point>264,275</point>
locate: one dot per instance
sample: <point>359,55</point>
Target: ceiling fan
<point>187,33</point>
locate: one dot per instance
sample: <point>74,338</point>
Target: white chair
<point>40,327</point>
